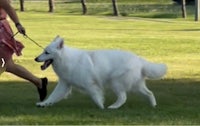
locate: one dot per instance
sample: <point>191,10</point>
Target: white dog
<point>92,70</point>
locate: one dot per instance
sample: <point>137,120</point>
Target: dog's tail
<point>154,70</point>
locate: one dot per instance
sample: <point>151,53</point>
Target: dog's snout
<point>36,59</point>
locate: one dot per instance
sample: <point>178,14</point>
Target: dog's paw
<point>42,104</point>
<point>39,104</point>
<point>154,106</point>
<point>113,107</point>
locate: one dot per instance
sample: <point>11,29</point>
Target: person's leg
<point>20,71</point>
<point>4,56</point>
<point>2,65</point>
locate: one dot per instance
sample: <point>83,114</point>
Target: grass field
<point>172,41</point>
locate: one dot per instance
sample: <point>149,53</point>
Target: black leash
<point>26,36</point>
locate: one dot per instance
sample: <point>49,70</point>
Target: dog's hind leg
<point>97,95</point>
<point>58,94</point>
<point>121,95</point>
<point>121,99</point>
<point>147,93</point>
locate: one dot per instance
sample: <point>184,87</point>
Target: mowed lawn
<point>171,41</point>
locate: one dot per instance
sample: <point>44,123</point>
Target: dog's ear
<point>61,44</point>
<point>56,38</point>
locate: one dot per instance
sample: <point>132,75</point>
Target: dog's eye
<point>46,52</point>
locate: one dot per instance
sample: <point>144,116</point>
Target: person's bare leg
<point>22,73</point>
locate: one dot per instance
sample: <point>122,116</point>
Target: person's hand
<point>20,28</point>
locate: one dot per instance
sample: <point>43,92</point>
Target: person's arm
<point>5,4</point>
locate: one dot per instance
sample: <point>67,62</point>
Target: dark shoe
<point>43,91</point>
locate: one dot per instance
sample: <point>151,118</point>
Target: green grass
<point>172,41</point>
<point>177,104</point>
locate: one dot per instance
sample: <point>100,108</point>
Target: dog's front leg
<point>58,94</point>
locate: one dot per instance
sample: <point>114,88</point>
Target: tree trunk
<point>197,10</point>
<point>183,8</point>
<point>21,5</point>
<point>84,6</point>
<point>115,9</point>
<point>51,5</point>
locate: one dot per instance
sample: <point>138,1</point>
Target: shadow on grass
<point>178,103</point>
<point>188,30</point>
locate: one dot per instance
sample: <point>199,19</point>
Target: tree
<point>115,9</point>
<point>197,9</point>
<point>84,6</point>
<point>51,5</point>
<point>21,5</point>
<point>183,8</point>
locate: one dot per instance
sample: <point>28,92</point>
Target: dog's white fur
<point>92,70</point>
